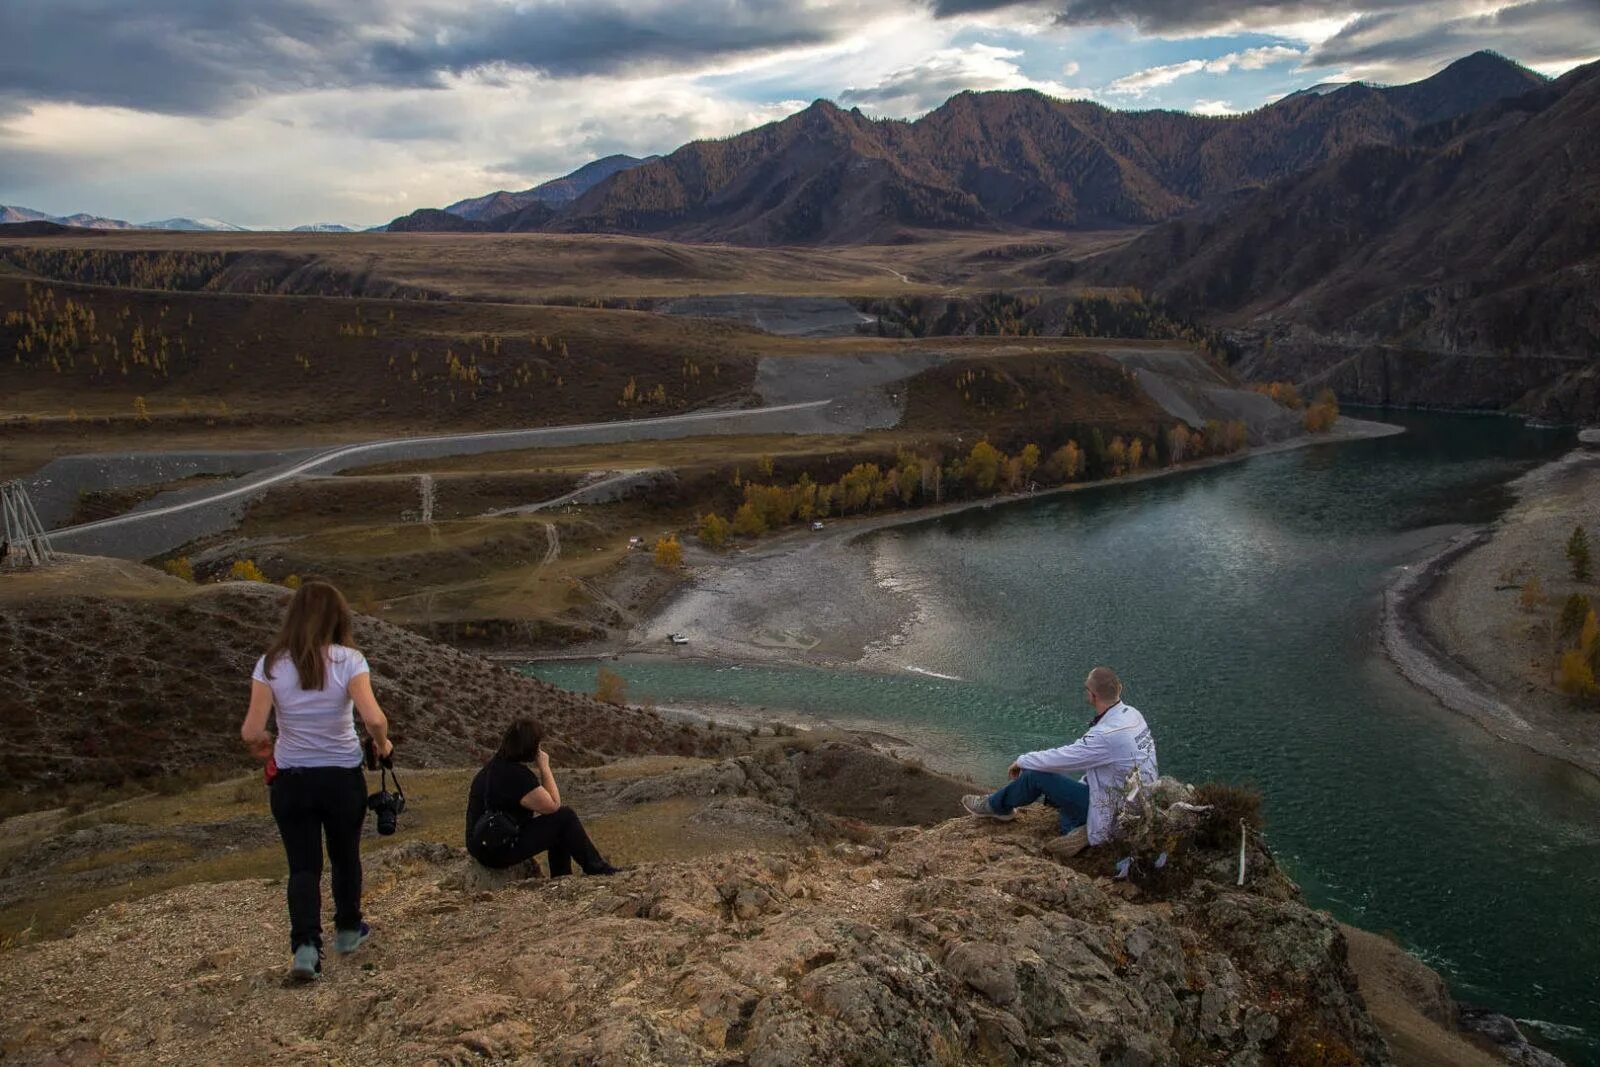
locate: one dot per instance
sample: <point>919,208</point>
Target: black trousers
<point>561,833</point>
<point>310,804</point>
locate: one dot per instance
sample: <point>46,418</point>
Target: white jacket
<point>1119,742</point>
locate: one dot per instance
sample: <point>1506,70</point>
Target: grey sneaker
<point>307,963</point>
<point>347,941</point>
<point>978,804</point>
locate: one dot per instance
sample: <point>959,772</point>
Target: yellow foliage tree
<point>245,570</point>
<point>610,687</point>
<point>1178,442</point>
<point>1117,456</point>
<point>714,530</point>
<point>1066,462</point>
<point>141,410</point>
<point>1029,458</point>
<point>1532,594</point>
<point>764,465</point>
<point>293,581</point>
<point>747,521</point>
<point>180,568</point>
<point>983,466</point>
<point>669,553</point>
<point>1136,454</point>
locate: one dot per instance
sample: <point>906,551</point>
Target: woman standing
<point>311,675</point>
<point>533,804</point>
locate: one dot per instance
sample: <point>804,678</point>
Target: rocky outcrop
<point>963,943</point>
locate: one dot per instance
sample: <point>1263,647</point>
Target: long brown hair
<point>317,617</point>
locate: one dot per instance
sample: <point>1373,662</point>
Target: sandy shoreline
<point>1453,624</point>
<point>811,598</point>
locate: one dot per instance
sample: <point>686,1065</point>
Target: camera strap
<point>386,772</point>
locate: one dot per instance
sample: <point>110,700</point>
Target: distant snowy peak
<point>10,214</point>
<point>323,227</point>
<point>86,221</point>
<point>194,225</point>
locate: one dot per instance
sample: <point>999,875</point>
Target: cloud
<point>1213,107</point>
<point>925,85</point>
<point>309,156</point>
<point>216,56</point>
<point>1141,82</point>
<point>1399,46</point>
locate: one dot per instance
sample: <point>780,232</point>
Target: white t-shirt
<point>315,726</point>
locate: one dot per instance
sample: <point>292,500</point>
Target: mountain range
<point>1458,267</point>
<point>506,212</point>
<point>11,214</point>
<point>984,160</point>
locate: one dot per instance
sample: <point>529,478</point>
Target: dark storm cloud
<point>1167,16</point>
<point>1541,31</point>
<point>207,56</point>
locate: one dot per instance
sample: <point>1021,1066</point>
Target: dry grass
<point>536,266</point>
<point>223,832</point>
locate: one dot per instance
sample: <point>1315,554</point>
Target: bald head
<point>1104,687</point>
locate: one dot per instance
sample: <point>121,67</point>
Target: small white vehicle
<point>678,639</point>
<point>816,524</point>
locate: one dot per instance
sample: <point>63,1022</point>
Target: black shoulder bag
<point>495,830</point>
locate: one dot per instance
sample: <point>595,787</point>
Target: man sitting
<point>1117,742</point>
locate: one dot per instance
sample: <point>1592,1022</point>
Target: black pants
<point>310,803</point>
<point>561,833</point>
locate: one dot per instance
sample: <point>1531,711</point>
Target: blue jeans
<point>1068,795</point>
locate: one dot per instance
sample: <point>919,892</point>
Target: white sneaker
<point>978,804</point>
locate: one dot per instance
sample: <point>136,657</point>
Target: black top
<point>501,785</point>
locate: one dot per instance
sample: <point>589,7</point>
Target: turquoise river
<point>1241,605</point>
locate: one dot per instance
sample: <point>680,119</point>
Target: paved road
<point>176,519</point>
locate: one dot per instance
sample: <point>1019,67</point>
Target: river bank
<point>1455,625</point>
<point>813,598</point>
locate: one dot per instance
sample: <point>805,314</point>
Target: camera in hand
<point>386,805</point>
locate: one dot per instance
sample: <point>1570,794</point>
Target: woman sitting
<point>532,802</point>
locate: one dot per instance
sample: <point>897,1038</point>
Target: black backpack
<point>495,830</point>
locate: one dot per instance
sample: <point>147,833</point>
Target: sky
<point>274,113</point>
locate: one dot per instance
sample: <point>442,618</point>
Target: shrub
<point>610,687</point>
<point>1532,594</point>
<point>1229,804</point>
<point>245,570</point>
<point>182,568</point>
<point>714,530</point>
<point>669,553</point>
<point>1573,612</point>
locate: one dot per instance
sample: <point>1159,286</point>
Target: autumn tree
<point>1532,597</point>
<point>1178,442</point>
<point>1117,456</point>
<point>1323,413</point>
<point>180,568</point>
<point>1136,454</point>
<point>714,530</point>
<point>1578,665</point>
<point>668,553</point>
<point>747,521</point>
<point>610,687</point>
<point>1066,463</point>
<point>1578,554</point>
<point>982,468</point>
<point>245,570</point>
<point>764,465</point>
<point>1573,612</point>
<point>1029,458</point>
<point>141,410</point>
